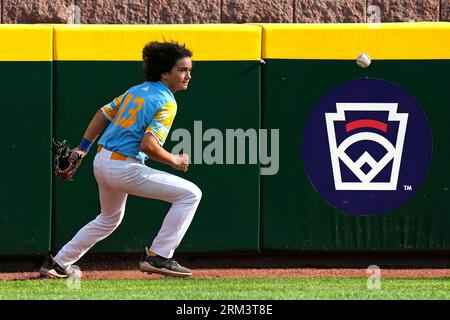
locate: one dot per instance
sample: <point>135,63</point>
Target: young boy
<point>139,122</point>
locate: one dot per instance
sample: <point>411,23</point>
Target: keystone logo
<point>393,153</point>
<point>367,147</point>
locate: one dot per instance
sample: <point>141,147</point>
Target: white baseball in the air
<point>363,60</point>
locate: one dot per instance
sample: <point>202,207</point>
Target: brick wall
<point>221,11</point>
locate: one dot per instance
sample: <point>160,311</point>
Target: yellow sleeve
<point>110,110</point>
<point>162,121</point>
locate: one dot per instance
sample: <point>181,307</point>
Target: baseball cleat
<point>164,266</point>
<point>50,269</point>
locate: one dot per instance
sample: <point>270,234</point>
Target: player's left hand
<point>66,160</point>
<point>76,154</point>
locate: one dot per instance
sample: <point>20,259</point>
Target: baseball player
<point>139,122</point>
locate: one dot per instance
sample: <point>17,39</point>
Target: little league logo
<point>393,149</point>
<point>367,146</point>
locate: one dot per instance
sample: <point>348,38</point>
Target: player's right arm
<point>152,148</point>
<point>156,134</point>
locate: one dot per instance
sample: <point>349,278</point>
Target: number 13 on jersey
<point>136,105</point>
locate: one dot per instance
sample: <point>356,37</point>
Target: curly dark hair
<point>161,57</point>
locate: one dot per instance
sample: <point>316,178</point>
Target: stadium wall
<point>265,76</point>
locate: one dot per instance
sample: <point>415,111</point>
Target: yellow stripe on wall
<point>416,40</point>
<point>225,42</point>
<point>26,42</point>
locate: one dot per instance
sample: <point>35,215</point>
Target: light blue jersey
<point>148,107</point>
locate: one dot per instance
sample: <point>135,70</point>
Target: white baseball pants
<point>118,178</point>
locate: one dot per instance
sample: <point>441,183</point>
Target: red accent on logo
<point>366,123</point>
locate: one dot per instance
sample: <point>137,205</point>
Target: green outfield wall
<point>248,77</point>
<point>304,62</point>
<point>26,90</point>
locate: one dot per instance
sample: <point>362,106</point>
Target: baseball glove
<point>65,161</point>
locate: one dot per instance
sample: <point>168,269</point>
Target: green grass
<point>211,289</point>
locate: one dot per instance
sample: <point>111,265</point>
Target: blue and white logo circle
<point>367,146</point>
